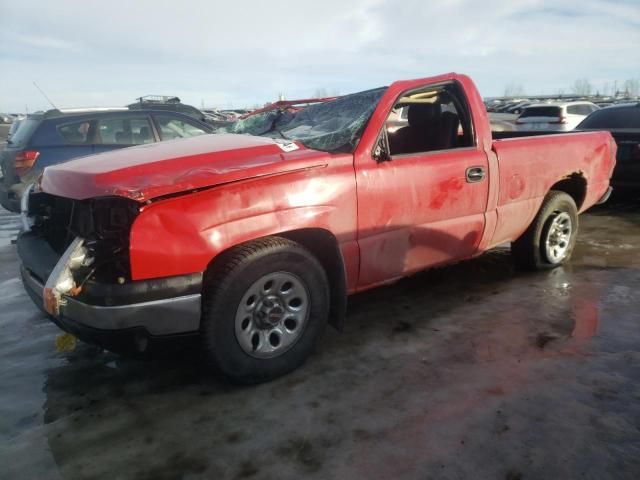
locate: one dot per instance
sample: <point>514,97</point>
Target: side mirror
<point>381,151</point>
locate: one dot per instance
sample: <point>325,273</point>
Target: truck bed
<point>528,168</point>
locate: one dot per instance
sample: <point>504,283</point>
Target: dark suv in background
<point>623,122</point>
<point>49,138</point>
<point>167,103</point>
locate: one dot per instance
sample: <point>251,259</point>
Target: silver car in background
<point>556,116</point>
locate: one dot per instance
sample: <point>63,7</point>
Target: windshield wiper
<point>274,128</point>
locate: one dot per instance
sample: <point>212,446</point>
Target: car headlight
<point>61,281</point>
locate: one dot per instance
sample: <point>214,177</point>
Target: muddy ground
<point>472,371</point>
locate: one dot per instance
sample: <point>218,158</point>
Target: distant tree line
<point>584,88</point>
<point>628,88</point>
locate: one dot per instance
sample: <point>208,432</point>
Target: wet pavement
<point>472,371</point>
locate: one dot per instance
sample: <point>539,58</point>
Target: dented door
<point>419,210</point>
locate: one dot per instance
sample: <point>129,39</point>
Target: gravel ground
<point>472,371</point>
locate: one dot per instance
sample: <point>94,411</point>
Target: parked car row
<point>221,118</point>
<point>10,117</point>
<point>514,107</point>
<point>517,105</point>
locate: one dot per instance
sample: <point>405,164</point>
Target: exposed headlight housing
<point>24,208</point>
<point>61,281</point>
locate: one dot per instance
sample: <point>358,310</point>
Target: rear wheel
<point>551,237</point>
<point>265,303</point>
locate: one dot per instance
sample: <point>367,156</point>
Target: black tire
<point>529,251</point>
<point>230,278</point>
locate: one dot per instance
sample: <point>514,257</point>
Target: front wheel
<point>265,304</point>
<point>551,237</point>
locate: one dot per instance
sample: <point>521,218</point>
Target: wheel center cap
<point>270,312</point>
<point>556,235</point>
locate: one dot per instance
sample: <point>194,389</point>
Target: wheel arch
<point>574,185</point>
<point>323,245</point>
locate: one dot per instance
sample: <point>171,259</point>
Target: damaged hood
<point>149,171</point>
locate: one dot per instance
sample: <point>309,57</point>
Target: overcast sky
<point>236,53</point>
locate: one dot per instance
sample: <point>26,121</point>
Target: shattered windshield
<point>333,126</point>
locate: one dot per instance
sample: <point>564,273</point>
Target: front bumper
<point>100,313</point>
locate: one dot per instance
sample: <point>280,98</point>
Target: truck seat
<point>429,129</point>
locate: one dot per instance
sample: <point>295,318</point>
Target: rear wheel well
<point>574,185</point>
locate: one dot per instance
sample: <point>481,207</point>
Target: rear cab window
<point>14,127</point>
<point>25,131</point>
<point>541,112</point>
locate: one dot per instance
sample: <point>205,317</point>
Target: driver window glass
<point>429,119</point>
<point>124,131</point>
<point>78,133</point>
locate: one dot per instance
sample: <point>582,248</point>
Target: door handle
<point>475,174</point>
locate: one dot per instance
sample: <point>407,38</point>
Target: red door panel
<point>418,210</point>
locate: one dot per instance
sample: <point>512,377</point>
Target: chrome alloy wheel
<point>558,238</point>
<point>272,315</point>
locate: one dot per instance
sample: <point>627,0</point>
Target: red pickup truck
<point>252,240</point>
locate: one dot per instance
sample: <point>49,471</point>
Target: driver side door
<point>422,208</point>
